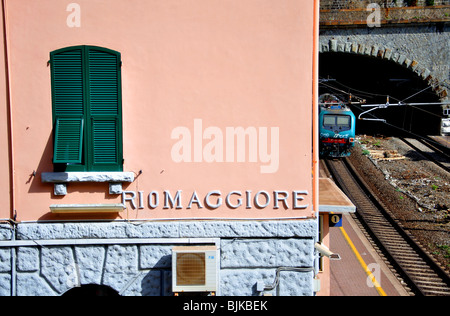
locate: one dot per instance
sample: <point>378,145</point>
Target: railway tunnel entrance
<point>373,80</point>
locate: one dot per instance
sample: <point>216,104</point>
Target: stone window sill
<point>65,177</point>
<point>60,179</point>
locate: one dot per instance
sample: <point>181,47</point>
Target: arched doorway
<point>91,290</point>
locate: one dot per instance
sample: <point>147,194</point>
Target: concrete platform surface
<point>360,272</point>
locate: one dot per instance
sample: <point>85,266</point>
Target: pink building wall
<point>4,136</point>
<point>224,64</point>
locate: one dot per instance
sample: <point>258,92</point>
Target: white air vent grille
<point>191,269</point>
<point>194,269</point>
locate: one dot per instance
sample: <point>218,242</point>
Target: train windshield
<point>343,122</point>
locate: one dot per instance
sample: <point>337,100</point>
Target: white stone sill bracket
<point>60,179</point>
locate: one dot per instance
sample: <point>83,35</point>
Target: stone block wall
<point>361,4</point>
<point>5,261</point>
<point>134,259</point>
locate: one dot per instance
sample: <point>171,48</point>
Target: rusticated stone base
<point>134,259</point>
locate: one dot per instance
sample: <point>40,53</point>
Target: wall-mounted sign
<point>215,199</point>
<point>335,220</point>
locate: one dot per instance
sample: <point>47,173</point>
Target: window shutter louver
<point>68,140</point>
<point>105,139</point>
<point>103,83</point>
<point>67,81</point>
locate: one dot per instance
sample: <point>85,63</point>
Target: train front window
<point>341,122</point>
<point>329,120</point>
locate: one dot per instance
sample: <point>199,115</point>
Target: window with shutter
<point>86,93</point>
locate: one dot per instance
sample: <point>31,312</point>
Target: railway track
<point>429,151</point>
<point>423,276</point>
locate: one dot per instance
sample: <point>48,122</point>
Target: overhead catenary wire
<point>400,103</point>
<point>342,91</point>
<point>385,106</point>
<point>403,130</point>
<point>368,94</point>
<point>428,112</point>
<point>416,94</point>
<point>381,106</point>
<point>360,92</point>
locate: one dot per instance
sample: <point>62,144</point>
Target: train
<point>337,127</point>
<point>445,127</point>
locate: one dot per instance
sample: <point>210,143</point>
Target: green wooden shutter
<point>68,105</point>
<point>103,82</point>
<point>86,88</point>
<point>105,108</point>
<point>68,140</point>
<point>67,83</point>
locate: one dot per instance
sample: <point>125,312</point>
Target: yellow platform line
<point>363,264</point>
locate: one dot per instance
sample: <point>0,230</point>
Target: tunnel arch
<point>373,77</point>
<point>388,54</point>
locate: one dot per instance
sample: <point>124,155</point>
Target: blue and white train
<point>337,127</point>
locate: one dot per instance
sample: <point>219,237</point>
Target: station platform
<point>360,271</point>
<point>349,276</point>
